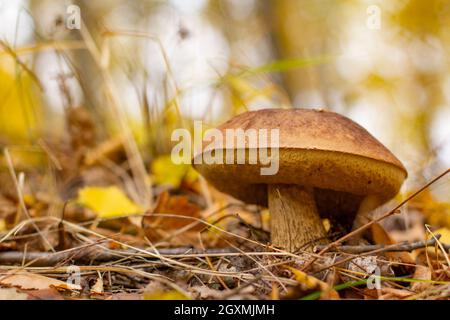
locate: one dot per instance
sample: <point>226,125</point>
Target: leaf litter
<point>182,249</point>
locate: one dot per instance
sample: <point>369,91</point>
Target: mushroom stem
<point>367,206</point>
<point>364,216</point>
<point>295,220</point>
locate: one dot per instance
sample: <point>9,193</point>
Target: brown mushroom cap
<point>320,149</point>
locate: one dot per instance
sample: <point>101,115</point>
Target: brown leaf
<point>399,293</point>
<point>380,236</point>
<point>12,294</point>
<point>156,226</point>
<point>204,292</point>
<point>32,281</point>
<point>97,288</point>
<point>421,273</point>
<point>126,296</point>
<point>44,294</point>
<point>369,294</point>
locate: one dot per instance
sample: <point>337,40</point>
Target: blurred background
<point>142,68</point>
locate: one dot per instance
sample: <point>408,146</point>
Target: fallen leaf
<point>367,264</point>
<point>179,205</point>
<point>204,292</point>
<point>166,172</point>
<point>165,295</point>
<point>32,281</point>
<point>326,224</point>
<point>107,202</point>
<point>97,288</point>
<point>421,273</point>
<point>125,296</point>
<point>155,226</point>
<point>380,236</point>
<point>45,294</point>
<point>399,293</point>
<point>436,212</point>
<point>12,294</point>
<point>445,235</point>
<point>158,291</point>
<point>275,293</point>
<point>311,282</point>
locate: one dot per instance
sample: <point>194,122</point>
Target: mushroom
<point>328,166</point>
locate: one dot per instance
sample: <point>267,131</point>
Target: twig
<point>402,246</point>
<point>90,254</point>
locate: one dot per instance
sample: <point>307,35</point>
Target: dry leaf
<point>45,294</point>
<point>12,294</point>
<point>125,296</point>
<point>380,236</point>
<point>369,294</point>
<point>275,293</point>
<point>399,293</point>
<point>421,273</point>
<point>165,295</point>
<point>311,282</point>
<point>166,172</point>
<point>32,281</point>
<point>204,292</point>
<point>157,291</point>
<point>107,202</point>
<point>437,212</point>
<point>445,235</point>
<point>177,205</point>
<point>362,264</point>
<point>97,288</point>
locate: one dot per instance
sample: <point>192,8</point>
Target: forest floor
<point>65,235</point>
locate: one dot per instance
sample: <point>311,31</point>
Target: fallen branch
<point>397,247</point>
<point>95,255</point>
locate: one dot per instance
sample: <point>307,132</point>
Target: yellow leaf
<point>445,235</point>
<point>437,212</point>
<point>2,225</point>
<point>107,202</point>
<point>265,218</point>
<point>313,283</point>
<point>326,224</point>
<point>165,295</point>
<point>303,278</point>
<point>166,172</point>
<point>20,109</point>
<point>191,175</point>
<point>29,199</point>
